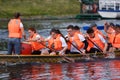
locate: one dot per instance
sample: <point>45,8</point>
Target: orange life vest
<point>116,41</point>
<point>97,41</point>
<point>58,43</point>
<point>77,41</point>
<point>69,43</point>
<point>36,45</point>
<point>14,28</point>
<point>90,45</point>
<point>51,43</point>
<point>99,32</point>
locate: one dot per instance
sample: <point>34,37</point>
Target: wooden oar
<point>96,45</point>
<point>63,56</point>
<point>84,54</point>
<point>74,45</point>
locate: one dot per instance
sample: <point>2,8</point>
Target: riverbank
<point>30,18</point>
<point>40,8</point>
<point>28,21</point>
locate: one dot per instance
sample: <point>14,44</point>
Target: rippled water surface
<point>100,70</point>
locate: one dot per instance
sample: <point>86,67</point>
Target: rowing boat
<point>45,58</point>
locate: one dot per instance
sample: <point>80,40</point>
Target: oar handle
<point>71,43</point>
<point>95,45</point>
<point>47,46</point>
<point>75,46</point>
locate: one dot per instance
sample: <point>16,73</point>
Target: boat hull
<point>45,59</point>
<point>109,14</point>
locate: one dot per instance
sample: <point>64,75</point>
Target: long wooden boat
<point>46,59</point>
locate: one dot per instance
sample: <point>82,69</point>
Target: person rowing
<point>96,31</point>
<point>109,28</point>
<point>76,41</point>
<point>96,41</point>
<point>116,37</point>
<point>37,47</point>
<point>59,44</point>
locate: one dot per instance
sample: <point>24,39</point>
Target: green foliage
<point>39,7</point>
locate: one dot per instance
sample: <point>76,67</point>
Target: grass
<point>39,7</point>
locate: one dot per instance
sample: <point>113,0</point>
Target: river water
<point>97,70</point>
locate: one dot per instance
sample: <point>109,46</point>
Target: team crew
<point>75,42</point>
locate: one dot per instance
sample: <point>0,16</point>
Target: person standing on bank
<point>15,31</point>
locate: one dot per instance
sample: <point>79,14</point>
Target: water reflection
<point>101,70</point>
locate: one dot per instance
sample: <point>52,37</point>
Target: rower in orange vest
<point>76,41</point>
<point>96,31</point>
<point>116,37</point>
<point>98,40</point>
<point>36,41</point>
<point>109,28</point>
<point>59,42</point>
<point>15,31</point>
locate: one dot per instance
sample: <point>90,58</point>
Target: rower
<point>109,28</point>
<point>36,41</point>
<point>116,37</point>
<point>76,41</point>
<point>98,42</point>
<point>59,44</point>
<point>96,31</point>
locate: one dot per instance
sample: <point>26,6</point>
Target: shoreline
<point>29,18</point>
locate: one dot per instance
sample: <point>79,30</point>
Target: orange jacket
<point>90,45</point>
<point>110,38</point>
<point>57,43</point>
<point>69,43</point>
<point>116,40</point>
<point>51,43</point>
<point>36,45</point>
<point>77,41</point>
<point>99,32</point>
<point>14,28</point>
<point>97,41</point>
